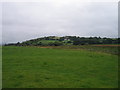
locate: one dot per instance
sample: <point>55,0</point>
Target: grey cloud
<point>0,23</point>
<point>22,21</point>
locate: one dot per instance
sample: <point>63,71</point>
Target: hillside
<point>66,40</point>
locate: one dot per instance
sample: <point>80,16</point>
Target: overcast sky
<point>26,20</point>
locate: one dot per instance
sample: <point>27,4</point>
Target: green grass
<point>103,49</point>
<point>0,67</point>
<point>52,41</point>
<point>32,67</point>
<point>47,41</point>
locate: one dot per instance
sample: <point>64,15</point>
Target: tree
<point>18,44</point>
<point>57,43</point>
<point>76,42</point>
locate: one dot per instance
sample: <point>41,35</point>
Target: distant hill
<point>67,40</point>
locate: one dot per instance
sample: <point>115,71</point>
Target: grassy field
<point>94,48</point>
<point>33,67</point>
<point>0,67</point>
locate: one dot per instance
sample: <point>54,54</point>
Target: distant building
<point>66,39</point>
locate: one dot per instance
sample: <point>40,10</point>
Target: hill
<point>66,40</point>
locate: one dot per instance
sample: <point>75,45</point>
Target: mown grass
<point>32,67</point>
